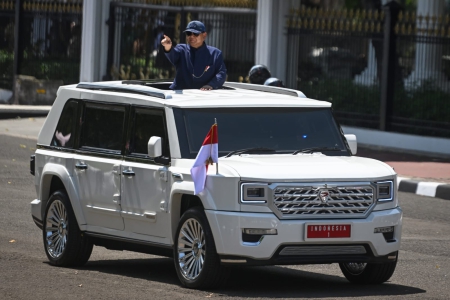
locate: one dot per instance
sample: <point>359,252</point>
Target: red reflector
<point>328,231</point>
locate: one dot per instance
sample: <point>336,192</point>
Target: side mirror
<point>154,147</point>
<point>351,140</point>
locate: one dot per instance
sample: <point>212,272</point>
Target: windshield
<point>284,130</point>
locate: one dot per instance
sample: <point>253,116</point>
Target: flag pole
<point>217,163</point>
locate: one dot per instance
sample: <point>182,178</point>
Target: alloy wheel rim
<point>191,249</point>
<point>355,268</point>
<point>56,229</point>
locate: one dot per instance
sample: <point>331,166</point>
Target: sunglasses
<point>188,33</point>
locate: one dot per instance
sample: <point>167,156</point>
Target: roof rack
<point>114,87</point>
<point>265,88</point>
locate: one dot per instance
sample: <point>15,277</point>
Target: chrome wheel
<point>56,229</point>
<point>191,249</point>
<point>355,268</point>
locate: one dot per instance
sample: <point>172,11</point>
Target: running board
<point>119,243</point>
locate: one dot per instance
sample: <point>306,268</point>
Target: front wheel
<point>364,273</point>
<point>196,261</point>
<point>64,243</point>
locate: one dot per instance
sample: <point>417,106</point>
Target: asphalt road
<point>423,271</point>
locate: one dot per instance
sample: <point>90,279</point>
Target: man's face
<point>195,41</point>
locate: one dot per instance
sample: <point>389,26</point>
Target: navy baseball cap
<point>195,27</point>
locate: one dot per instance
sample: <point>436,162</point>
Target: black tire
<point>370,274</point>
<point>68,247</point>
<point>211,274</point>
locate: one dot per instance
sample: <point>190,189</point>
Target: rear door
<point>144,183</point>
<point>97,164</point>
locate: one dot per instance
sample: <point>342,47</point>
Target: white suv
<point>112,169</point>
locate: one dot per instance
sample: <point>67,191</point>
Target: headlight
<point>385,191</point>
<point>254,193</point>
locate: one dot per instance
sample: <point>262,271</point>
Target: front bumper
<point>227,229</point>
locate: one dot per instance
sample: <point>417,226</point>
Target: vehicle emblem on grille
<point>323,195</point>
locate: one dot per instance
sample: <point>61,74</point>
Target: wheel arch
<point>181,199</point>
<point>56,177</point>
<point>181,202</point>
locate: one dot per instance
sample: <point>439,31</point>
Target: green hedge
<point>427,103</point>
<point>52,69</point>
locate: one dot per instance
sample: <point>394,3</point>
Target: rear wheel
<point>196,261</point>
<point>364,273</point>
<point>64,243</point>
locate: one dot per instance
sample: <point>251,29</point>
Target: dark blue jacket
<point>193,75</point>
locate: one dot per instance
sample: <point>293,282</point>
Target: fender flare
<point>187,187</point>
<point>61,172</point>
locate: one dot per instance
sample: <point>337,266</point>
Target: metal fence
<point>6,44</point>
<point>422,89</point>
<point>383,69</point>
<point>51,40</point>
<point>46,44</point>
<point>136,31</point>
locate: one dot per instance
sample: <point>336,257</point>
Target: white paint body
<point>149,210</point>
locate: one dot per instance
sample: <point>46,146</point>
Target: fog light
<point>384,229</point>
<point>258,231</point>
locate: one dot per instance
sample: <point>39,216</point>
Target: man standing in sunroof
<point>198,65</point>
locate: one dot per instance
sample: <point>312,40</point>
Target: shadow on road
<point>260,282</point>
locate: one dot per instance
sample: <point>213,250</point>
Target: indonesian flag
<point>208,153</point>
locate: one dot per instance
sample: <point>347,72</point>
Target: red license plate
<point>328,231</point>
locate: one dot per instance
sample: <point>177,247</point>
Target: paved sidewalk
<point>420,174</point>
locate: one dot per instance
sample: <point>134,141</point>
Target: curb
<point>23,111</point>
<point>424,188</point>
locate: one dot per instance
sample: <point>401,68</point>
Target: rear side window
<point>64,135</point>
<point>148,123</point>
<point>103,127</point>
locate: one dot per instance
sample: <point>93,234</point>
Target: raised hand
<point>166,42</point>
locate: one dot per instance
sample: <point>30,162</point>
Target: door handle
<point>116,198</point>
<point>81,166</point>
<point>128,173</point>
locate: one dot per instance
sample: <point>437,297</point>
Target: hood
<point>310,167</point>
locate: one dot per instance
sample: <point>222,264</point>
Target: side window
<point>148,123</point>
<point>103,127</point>
<point>65,130</point>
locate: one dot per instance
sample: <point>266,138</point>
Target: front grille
<point>341,201</point>
<point>322,250</point>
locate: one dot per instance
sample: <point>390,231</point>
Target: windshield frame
<point>183,140</point>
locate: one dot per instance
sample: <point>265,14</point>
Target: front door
<point>144,183</point>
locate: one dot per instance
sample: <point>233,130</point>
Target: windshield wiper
<point>316,149</point>
<point>249,150</point>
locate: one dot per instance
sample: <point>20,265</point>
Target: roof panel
<point>190,98</point>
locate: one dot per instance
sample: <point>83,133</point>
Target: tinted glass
<point>148,123</point>
<point>65,131</point>
<point>103,127</point>
<point>282,129</point>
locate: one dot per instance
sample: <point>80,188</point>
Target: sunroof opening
<point>163,84</point>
